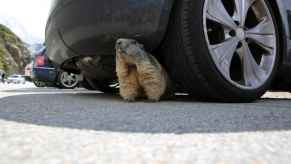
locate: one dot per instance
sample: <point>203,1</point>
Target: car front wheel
<point>222,50</point>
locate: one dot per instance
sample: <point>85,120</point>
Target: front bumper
<point>90,27</point>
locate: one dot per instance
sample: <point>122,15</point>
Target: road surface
<point>51,126</point>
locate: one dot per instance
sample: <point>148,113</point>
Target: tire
<point>103,86</point>
<point>186,55</point>
<point>65,83</point>
<point>39,84</point>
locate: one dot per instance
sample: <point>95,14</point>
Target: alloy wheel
<point>69,80</point>
<point>242,40</point>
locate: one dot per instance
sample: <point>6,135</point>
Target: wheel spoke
<point>253,73</point>
<point>71,82</point>
<point>264,41</point>
<point>217,12</point>
<point>223,54</point>
<point>263,34</point>
<point>242,8</point>
<point>265,27</point>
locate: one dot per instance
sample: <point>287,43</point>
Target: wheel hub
<point>240,33</point>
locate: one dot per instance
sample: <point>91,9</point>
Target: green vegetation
<point>3,64</point>
<point>13,54</point>
<point>4,29</point>
<point>8,36</point>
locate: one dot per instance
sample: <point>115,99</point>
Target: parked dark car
<point>221,50</point>
<point>44,73</point>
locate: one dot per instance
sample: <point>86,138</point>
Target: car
<point>215,50</point>
<point>45,74</point>
<point>16,79</point>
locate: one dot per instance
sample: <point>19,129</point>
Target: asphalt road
<point>50,126</point>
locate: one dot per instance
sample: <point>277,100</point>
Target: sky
<point>26,18</point>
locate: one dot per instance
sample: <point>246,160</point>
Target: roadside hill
<point>14,55</point>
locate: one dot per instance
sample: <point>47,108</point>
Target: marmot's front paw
<point>129,99</point>
<point>154,100</point>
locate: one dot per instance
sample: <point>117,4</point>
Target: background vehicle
<point>16,79</point>
<point>220,50</point>
<point>45,74</point>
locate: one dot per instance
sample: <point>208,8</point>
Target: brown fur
<point>139,73</point>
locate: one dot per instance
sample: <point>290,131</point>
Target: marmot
<point>139,73</point>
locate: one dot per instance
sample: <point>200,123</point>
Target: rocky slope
<point>14,55</point>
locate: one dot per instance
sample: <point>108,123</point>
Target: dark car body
<point>42,69</point>
<point>83,27</point>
